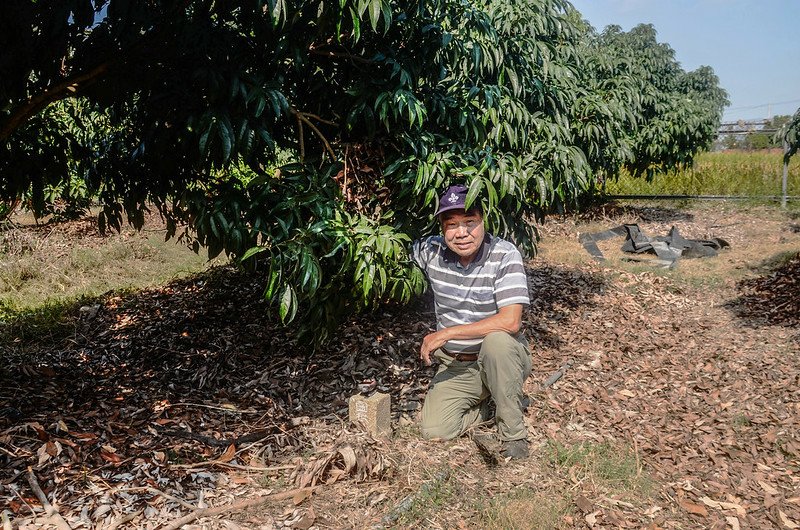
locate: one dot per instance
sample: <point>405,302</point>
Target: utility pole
<point>785,183</point>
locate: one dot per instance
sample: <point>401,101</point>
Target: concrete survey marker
<point>373,413</point>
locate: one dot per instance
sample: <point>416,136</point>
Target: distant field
<point>51,267</point>
<point>725,173</point>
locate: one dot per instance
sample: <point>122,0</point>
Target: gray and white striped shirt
<point>463,295</point>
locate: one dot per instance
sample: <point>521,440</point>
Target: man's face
<point>463,233</point>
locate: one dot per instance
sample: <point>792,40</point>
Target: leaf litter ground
<point>177,398</point>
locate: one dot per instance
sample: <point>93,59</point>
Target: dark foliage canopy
<point>317,134</point>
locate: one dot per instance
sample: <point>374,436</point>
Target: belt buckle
<point>460,356</point>
<point>463,357</point>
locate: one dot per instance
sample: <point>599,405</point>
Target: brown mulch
<point>774,297</point>
<point>186,396</point>
<point>700,379</point>
<point>165,387</point>
<point>710,405</point>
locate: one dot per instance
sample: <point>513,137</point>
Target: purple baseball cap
<point>454,198</point>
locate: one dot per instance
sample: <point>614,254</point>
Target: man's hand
<point>508,319</point>
<point>432,342</point>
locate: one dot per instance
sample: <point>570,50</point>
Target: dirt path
<point>679,411</point>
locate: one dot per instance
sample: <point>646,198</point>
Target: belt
<point>463,357</point>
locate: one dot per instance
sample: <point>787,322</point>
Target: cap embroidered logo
<point>452,198</point>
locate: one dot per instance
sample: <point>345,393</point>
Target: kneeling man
<point>479,286</point>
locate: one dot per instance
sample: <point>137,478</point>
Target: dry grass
<point>761,231</point>
<point>58,263</point>
<point>47,272</point>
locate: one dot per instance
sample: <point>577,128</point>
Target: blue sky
<point>753,46</point>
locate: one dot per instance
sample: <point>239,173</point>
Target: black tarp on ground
<point>669,248</point>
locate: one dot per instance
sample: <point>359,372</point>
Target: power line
<point>764,105</point>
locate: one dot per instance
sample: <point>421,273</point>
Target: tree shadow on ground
<point>208,337</point>
<point>772,299</point>
<point>188,368</point>
<point>556,292</point>
<point>195,365</point>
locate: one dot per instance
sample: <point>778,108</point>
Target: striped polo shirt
<point>462,295</point>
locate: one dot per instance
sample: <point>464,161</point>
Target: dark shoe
<point>489,448</point>
<point>515,449</point>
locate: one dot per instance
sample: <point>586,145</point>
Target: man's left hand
<point>432,342</point>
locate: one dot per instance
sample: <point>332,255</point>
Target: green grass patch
<point>615,468</point>
<point>433,497</point>
<point>777,261</point>
<point>50,321</point>
<point>526,509</point>
<point>740,421</point>
<point>740,173</point>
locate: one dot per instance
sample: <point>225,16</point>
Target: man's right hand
<point>432,342</point>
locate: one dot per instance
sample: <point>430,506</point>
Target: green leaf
<point>386,9</point>
<point>203,145</point>
<point>226,135</point>
<point>288,305</point>
<point>375,13</point>
<point>252,252</point>
<point>475,187</point>
<point>278,12</point>
<point>369,276</point>
<point>356,24</point>
<point>274,278</point>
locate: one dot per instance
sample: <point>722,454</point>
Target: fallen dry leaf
<point>228,455</point>
<point>767,488</point>
<point>696,509</point>
<point>721,505</point>
<point>650,512</point>
<point>307,521</point>
<point>301,495</point>
<point>113,458</point>
<point>788,523</point>
<point>584,504</point>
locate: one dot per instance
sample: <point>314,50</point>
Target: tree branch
<point>124,519</point>
<point>66,88</point>
<point>49,509</point>
<point>300,135</point>
<point>302,118</point>
<point>241,505</point>
<point>321,120</point>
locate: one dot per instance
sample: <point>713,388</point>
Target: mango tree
<point>639,109</point>
<point>312,137</point>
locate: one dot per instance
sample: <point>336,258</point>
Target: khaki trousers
<point>459,393</point>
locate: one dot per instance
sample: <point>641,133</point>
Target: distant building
<point>744,134</point>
